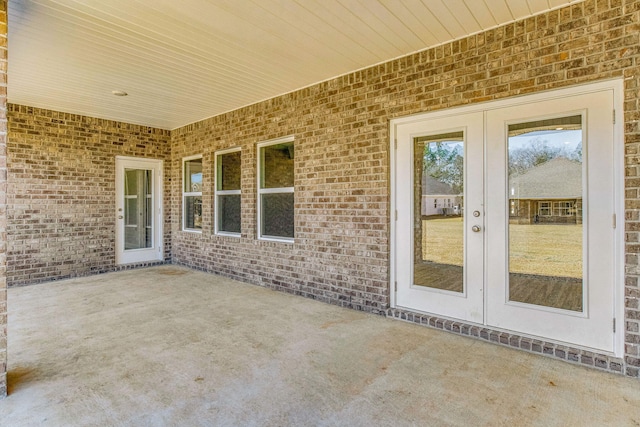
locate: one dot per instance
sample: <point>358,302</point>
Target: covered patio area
<point>172,346</point>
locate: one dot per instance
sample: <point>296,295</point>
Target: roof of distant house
<point>559,178</point>
<point>433,187</point>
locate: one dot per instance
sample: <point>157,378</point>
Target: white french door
<point>506,215</point>
<point>138,210</point>
<point>444,275</point>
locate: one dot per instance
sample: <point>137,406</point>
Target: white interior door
<point>505,215</point>
<point>138,210</point>
<point>438,188</point>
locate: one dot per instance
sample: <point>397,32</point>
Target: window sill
<point>226,234</point>
<point>277,239</point>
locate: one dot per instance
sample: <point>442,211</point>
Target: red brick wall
<point>61,193</point>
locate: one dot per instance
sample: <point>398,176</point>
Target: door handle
<point>476,228</point>
<point>120,217</point>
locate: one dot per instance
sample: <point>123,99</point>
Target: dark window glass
<point>277,165</point>
<point>229,213</point>
<point>277,215</point>
<point>193,212</point>
<point>229,171</point>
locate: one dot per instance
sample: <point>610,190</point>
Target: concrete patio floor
<point>168,346</point>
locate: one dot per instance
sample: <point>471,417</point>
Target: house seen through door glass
<point>545,213</point>
<point>438,209</point>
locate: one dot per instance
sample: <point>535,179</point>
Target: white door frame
<point>156,252</point>
<point>617,88</point>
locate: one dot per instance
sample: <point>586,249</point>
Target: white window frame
<point>186,194</point>
<point>549,207</point>
<point>261,191</point>
<point>514,207</point>
<point>565,206</point>
<point>224,192</point>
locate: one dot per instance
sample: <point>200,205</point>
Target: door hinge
<point>396,214</point>
<point>614,117</point>
<point>614,221</point>
<point>395,142</point>
<point>614,324</point>
<point>395,286</point>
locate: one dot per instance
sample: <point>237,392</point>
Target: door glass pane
<point>438,200</point>
<point>131,211</point>
<point>545,213</point>
<point>131,182</point>
<point>138,212</point>
<point>149,223</point>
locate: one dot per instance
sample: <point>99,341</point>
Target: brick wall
<point>61,168</point>
<point>61,192</point>
<point>3,198</point>
<point>341,250</point>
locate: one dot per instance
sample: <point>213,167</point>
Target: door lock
<point>476,228</point>
<point>476,213</point>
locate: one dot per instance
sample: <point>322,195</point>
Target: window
<point>192,193</point>
<point>514,207</point>
<point>544,209</point>
<point>562,208</point>
<point>228,203</point>
<point>275,190</point>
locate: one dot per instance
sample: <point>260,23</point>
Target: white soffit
<point>181,61</point>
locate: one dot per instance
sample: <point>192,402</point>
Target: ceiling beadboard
<point>182,61</point>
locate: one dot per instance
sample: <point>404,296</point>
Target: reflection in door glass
<point>438,200</point>
<point>138,212</point>
<point>545,213</point>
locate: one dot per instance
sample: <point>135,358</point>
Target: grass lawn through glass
<point>541,249</point>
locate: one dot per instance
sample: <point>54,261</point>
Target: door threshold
<point>561,351</point>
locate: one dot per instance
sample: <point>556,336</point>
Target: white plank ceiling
<point>181,61</point>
